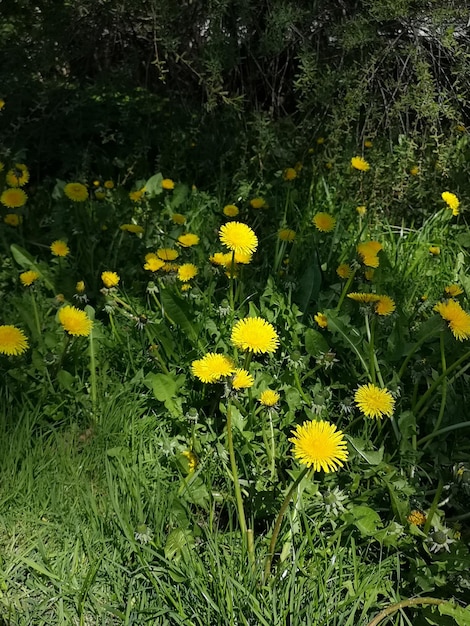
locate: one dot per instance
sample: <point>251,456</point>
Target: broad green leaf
<point>309,283</point>
<point>373,457</point>
<point>27,262</point>
<point>459,613</point>
<point>349,334</point>
<point>153,187</point>
<point>177,312</point>
<point>165,389</point>
<point>179,543</point>
<point>366,520</point>
<point>179,195</point>
<point>315,342</point>
<point>65,379</point>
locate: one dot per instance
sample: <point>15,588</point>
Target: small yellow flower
<point>186,286</point>
<point>18,176</point>
<point>434,250</point>
<point>269,397</point>
<point>457,318</point>
<point>374,401</point>
<point>287,234</point>
<point>418,518</point>
<point>153,264</point>
<point>212,367</point>
<point>12,219</point>
<point>230,210</point>
<point>369,274</point>
<point>320,445</point>
<point>344,270</point>
<point>453,290</point>
<point>96,183</point>
<point>364,297</point>
<point>255,334</point>
<point>186,272</point>
<point>414,171</point>
<point>132,228</point>
<point>168,184</point>
<point>110,279</point>
<point>320,141</point>
<point>461,128</point>
<point>137,195</point>
<point>258,203</point>
<point>2,103</point>
<point>242,379</point>
<point>13,198</point>
<point>361,210</point>
<point>76,192</point>
<point>385,306</point>
<point>368,251</point>
<point>192,460</point>
<point>29,277</point>
<point>74,321</point>
<point>108,184</point>
<point>59,248</point>
<point>13,341</point>
<point>452,201</point>
<point>238,237</point>
<point>167,254</point>
<point>321,320</point>
<point>368,143</point>
<point>358,163</point>
<point>289,174</point>
<point>188,239</point>
<point>80,286</point>
<point>324,222</point>
<point>178,218</point>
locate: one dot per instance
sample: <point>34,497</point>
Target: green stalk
<point>437,425</point>
<point>370,329</point>
<point>412,351</point>
<point>36,316</point>
<point>232,281</point>
<point>345,290</point>
<point>447,429</point>
<point>236,482</point>
<point>393,608</point>
<point>433,508</point>
<point>93,373</point>
<point>299,387</point>
<point>278,522</point>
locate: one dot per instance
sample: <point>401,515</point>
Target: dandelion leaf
<point>460,614</point>
<point>315,343</point>
<point>309,283</point>
<point>178,313</point>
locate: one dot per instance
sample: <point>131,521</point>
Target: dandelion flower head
<point>363,297</point>
<point>137,195</point>
<point>178,218</point>
<point>29,277</point>
<point>13,219</point>
<point>167,254</point>
<point>110,279</point>
<point>452,201</point>
<point>453,290</point>
<point>75,321</point>
<point>186,272</point>
<point>212,367</point>
<point>153,264</point>
<point>230,210</point>
<point>168,184</point>
<point>434,250</point>
<point>238,237</point>
<point>385,306</point>
<point>76,192</point>
<point>368,251</point>
<point>287,234</point>
<point>324,222</point>
<point>18,176</point>
<point>374,402</point>
<point>289,173</point>
<point>457,318</point>
<point>255,334</point>
<point>188,239</point>
<point>60,248</point>
<point>258,203</point>
<point>242,379</point>
<point>13,198</point>
<point>13,341</point>
<point>361,210</point>
<point>321,320</point>
<point>318,444</point>
<point>269,398</point>
<point>358,163</point>
<point>132,228</point>
<point>344,270</point>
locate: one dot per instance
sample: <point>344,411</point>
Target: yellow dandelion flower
<point>258,203</point>
<point>80,286</point>
<point>188,239</point>
<point>137,195</point>
<point>254,334</point>
<point>368,251</point>
<point>452,201</point>
<point>212,367</point>
<point>178,218</point>
<point>269,397</point>
<point>2,103</point>
<point>186,286</point>
<point>192,460</point>
<point>320,445</point>
<point>321,320</point>
<point>29,277</point>
<point>186,272</point>
<point>385,305</point>
<point>168,184</point>
<point>170,267</point>
<point>414,171</point>
<point>364,297</point>
<point>453,290</point>
<point>369,274</point>
<point>418,518</point>
<point>241,257</point>
<point>96,183</point>
<point>230,210</point>
<point>434,250</point>
<point>150,255</point>
<point>368,143</point>
<point>457,318</point>
<point>110,279</point>
<point>320,141</point>
<point>289,173</point>
<point>361,210</point>
<point>59,248</point>
<point>76,192</point>
<point>358,163</point>
<point>324,222</point>
<point>286,234</point>
<point>13,341</point>
<point>153,263</point>
<point>374,401</point>
<point>167,254</point>
<point>132,228</point>
<point>12,219</point>
<point>18,176</point>
<point>344,270</point>
<point>74,321</point>
<point>242,379</point>
<point>461,128</point>
<point>108,184</point>
<point>13,198</point>
<point>238,237</point>
<point>219,258</point>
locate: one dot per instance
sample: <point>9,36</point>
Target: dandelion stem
<point>278,522</point>
<point>433,508</point>
<point>447,429</point>
<point>93,372</point>
<point>345,290</point>
<point>299,387</point>
<point>36,316</point>
<point>410,354</point>
<point>393,608</point>
<point>438,423</point>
